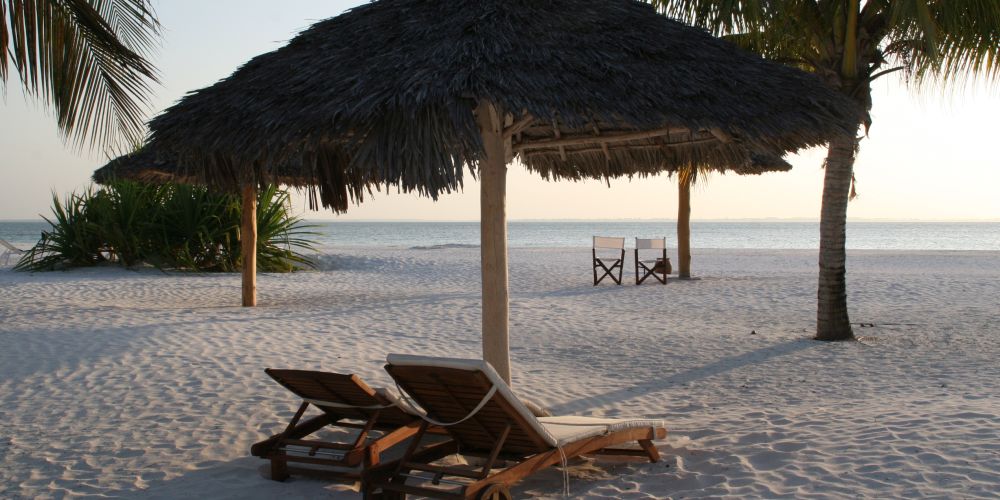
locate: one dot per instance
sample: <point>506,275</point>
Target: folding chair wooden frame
<point>487,421</point>
<point>608,243</point>
<point>346,402</point>
<point>652,269</point>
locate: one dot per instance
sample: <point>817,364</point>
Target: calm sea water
<point>704,234</point>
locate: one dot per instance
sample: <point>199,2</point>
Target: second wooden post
<point>248,245</point>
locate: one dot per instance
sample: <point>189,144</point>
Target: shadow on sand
<point>698,373</point>
<point>245,477</point>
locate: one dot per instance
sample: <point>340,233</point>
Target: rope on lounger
<point>562,454</point>
<point>565,470</point>
<point>405,397</point>
<point>608,428</point>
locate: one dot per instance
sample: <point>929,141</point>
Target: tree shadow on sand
<point>648,387</point>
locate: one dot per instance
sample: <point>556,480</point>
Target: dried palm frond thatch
<point>141,165</point>
<point>385,94</point>
<point>147,165</point>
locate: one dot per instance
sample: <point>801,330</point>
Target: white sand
<point>125,383</point>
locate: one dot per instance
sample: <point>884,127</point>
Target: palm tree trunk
<point>832,322</point>
<point>684,225</point>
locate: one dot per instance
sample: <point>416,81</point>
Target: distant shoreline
<point>732,234</point>
<point>655,220</point>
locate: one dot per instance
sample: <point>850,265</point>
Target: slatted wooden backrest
<point>342,389</point>
<point>449,395</point>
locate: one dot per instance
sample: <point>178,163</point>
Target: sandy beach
<point>144,384</point>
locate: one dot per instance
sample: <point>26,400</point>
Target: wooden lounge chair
<point>657,267</point>
<point>608,263</point>
<point>347,403</point>
<point>485,419</point>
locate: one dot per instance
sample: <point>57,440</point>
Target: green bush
<point>171,226</point>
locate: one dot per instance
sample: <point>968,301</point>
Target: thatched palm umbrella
<point>149,164</point>
<point>406,92</point>
<point>757,165</point>
<point>754,164</point>
<point>155,166</point>
<point>141,165</point>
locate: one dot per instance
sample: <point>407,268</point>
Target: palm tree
<point>86,59</point>
<point>849,44</point>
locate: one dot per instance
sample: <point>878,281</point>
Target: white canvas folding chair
<point>615,260</point>
<point>659,267</point>
<point>9,251</point>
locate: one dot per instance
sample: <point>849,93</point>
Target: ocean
<point>867,235</point>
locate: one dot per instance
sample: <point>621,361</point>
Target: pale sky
<point>929,156</point>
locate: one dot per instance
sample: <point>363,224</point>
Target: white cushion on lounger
<point>481,366</point>
<point>569,429</point>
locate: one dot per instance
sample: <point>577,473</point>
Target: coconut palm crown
<point>849,44</point>
<point>86,58</point>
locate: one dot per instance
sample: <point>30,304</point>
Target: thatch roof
<point>146,165</point>
<point>385,93</point>
<point>751,164</point>
<point>759,164</point>
<point>142,165</point>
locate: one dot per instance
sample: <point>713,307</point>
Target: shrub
<point>170,226</point>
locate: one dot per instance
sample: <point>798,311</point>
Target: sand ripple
<point>139,383</point>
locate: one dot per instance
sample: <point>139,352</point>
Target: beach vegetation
<point>850,44</point>
<point>88,60</point>
<point>169,226</point>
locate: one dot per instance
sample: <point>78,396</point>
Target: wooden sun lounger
<point>484,419</point>
<point>346,402</point>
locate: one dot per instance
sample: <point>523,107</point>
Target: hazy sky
<point>929,156</point>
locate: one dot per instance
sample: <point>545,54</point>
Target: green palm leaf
<point>87,58</point>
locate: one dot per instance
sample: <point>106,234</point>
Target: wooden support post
<point>493,238</point>
<point>248,246</point>
<point>684,225</point>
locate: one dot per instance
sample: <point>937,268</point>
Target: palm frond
<point>959,39</point>
<point>88,60</point>
<point>940,41</point>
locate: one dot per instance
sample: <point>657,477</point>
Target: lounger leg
<point>279,469</point>
<point>279,466</point>
<point>650,449</point>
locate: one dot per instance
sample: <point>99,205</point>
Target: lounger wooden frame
<point>497,432</point>
<point>357,408</point>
